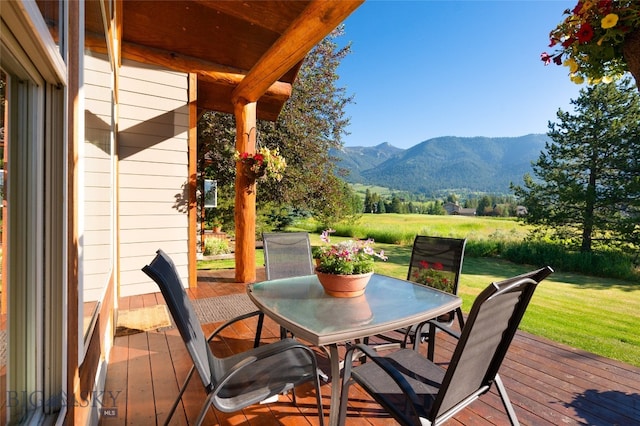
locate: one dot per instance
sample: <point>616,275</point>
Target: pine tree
<point>587,186</point>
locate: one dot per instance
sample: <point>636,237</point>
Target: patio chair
<point>415,391</point>
<point>287,254</point>
<point>242,379</point>
<point>435,262</point>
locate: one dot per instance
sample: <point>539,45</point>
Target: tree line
<point>482,205</point>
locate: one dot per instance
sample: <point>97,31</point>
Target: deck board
<point>548,383</point>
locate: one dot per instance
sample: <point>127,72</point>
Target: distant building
<point>455,209</point>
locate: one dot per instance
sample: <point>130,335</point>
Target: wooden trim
<point>3,301</point>
<point>117,25</point>
<point>117,17</point>
<point>317,20</point>
<point>75,28</point>
<point>95,351</point>
<point>41,49</point>
<point>193,180</point>
<point>245,202</point>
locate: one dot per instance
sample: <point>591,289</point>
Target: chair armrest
<point>448,330</point>
<point>242,317</point>
<point>264,352</point>
<point>388,368</point>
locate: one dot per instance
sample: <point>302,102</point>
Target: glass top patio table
<point>300,305</point>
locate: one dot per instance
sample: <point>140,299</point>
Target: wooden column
<point>245,207</point>
<point>193,179</point>
<point>75,48</point>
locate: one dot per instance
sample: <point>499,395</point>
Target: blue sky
<point>430,68</point>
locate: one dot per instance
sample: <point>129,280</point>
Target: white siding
<point>97,184</point>
<point>153,172</point>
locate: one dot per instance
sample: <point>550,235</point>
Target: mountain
<point>473,164</point>
<point>357,159</point>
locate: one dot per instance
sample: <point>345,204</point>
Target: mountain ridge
<point>445,163</point>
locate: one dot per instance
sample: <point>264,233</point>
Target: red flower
<point>585,33</point>
<point>424,264</point>
<point>605,6</point>
<point>568,42</point>
<point>438,266</point>
<point>576,10</point>
<point>545,57</point>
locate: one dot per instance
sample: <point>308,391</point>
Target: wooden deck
<point>548,383</point>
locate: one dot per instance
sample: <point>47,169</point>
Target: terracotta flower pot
<point>344,285</point>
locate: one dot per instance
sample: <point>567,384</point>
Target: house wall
<point>153,172</point>
<point>98,193</point>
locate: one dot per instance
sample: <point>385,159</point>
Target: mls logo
<point>110,412</point>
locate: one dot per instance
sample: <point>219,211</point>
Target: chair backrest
<point>287,254</point>
<point>432,256</point>
<point>163,271</point>
<point>485,339</point>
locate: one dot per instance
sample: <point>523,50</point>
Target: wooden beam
<point>207,71</point>
<point>318,19</point>
<point>173,60</point>
<point>245,203</point>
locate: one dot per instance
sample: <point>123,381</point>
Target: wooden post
<point>193,179</point>
<point>75,48</point>
<point>245,206</point>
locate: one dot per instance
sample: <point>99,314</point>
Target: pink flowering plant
<point>433,275</point>
<point>265,163</point>
<point>590,40</point>
<point>349,257</point>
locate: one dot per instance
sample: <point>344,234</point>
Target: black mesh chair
<point>242,379</point>
<point>287,254</point>
<point>435,262</point>
<point>415,391</point>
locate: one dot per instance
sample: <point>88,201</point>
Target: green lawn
<point>595,314</point>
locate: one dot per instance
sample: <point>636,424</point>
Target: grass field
<point>599,315</point>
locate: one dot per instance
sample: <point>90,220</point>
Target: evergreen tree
<point>313,120</point>
<point>587,189</point>
<point>485,206</point>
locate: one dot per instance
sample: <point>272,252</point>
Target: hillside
<point>358,159</point>
<point>473,164</point>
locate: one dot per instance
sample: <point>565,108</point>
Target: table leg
<point>336,385</point>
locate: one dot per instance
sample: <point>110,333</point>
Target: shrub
<point>215,246</point>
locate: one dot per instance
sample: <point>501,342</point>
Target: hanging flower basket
<point>598,41</point>
<point>263,164</point>
<point>252,170</point>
